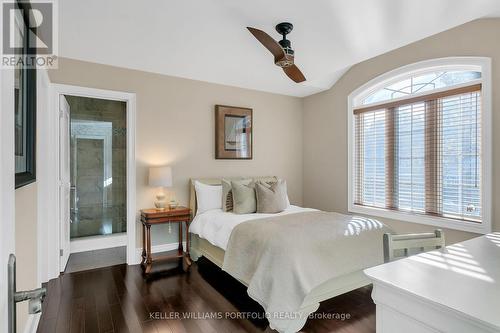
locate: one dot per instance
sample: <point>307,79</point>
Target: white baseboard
<point>159,248</point>
<point>98,242</point>
<point>32,323</point>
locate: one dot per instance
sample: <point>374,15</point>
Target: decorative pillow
<point>272,181</point>
<point>207,197</point>
<point>271,198</point>
<point>227,195</point>
<point>244,201</point>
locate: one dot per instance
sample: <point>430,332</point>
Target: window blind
<point>421,155</point>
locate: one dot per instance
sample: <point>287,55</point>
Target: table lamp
<point>160,177</point>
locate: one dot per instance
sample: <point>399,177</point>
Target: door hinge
<point>61,252</point>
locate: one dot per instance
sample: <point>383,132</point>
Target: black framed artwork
<point>24,103</point>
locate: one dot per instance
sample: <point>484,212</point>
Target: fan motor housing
<point>287,61</point>
<point>287,46</point>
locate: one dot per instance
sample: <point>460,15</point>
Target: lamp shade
<point>160,176</point>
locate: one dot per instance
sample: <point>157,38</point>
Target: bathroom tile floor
<point>83,261</point>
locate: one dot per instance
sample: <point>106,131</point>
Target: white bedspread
<point>282,259</point>
<point>216,226</point>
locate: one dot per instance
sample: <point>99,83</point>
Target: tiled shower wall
<point>98,166</point>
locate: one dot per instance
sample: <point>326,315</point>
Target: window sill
<point>441,222</point>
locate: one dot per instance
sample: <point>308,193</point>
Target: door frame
<point>53,173</point>
<point>7,193</point>
<point>64,153</point>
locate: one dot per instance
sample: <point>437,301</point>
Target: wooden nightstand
<point>149,217</point>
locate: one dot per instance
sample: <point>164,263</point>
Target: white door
<point>64,181</point>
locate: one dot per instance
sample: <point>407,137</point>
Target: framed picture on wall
<point>233,132</point>
<point>24,101</point>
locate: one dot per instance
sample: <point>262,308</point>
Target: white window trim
<point>482,64</point>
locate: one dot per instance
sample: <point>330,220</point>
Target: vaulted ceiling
<point>207,39</point>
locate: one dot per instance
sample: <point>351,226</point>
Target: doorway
<point>96,177</point>
<point>93,150</point>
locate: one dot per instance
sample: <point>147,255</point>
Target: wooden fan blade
<point>294,73</point>
<point>268,42</point>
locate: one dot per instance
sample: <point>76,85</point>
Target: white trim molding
<point>51,163</point>
<point>46,190</point>
<point>98,242</point>
<point>482,64</point>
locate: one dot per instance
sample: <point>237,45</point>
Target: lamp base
<point>160,202</point>
<point>160,205</point>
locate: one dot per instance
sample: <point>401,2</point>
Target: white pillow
<point>208,197</point>
<point>288,204</point>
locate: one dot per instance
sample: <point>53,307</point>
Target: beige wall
<point>26,246</point>
<point>175,126</point>
<point>325,116</point>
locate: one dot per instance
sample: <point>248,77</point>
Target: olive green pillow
<point>271,198</point>
<point>244,200</point>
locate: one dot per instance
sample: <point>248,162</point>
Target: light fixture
<point>160,177</point>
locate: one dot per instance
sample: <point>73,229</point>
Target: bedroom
<point>172,64</point>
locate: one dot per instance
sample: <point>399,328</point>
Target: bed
<point>211,233</point>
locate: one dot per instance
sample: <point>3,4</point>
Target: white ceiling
<point>207,39</point>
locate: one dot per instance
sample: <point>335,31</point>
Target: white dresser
<point>455,289</point>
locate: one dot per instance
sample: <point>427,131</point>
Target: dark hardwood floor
<point>121,299</point>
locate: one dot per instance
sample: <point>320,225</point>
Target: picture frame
<point>25,105</point>
<point>233,132</point>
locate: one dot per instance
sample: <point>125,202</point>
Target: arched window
<point>419,144</point>
<point>420,83</point>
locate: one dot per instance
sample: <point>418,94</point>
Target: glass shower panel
<point>98,166</point>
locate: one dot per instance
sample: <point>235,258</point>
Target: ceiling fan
<point>282,50</point>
